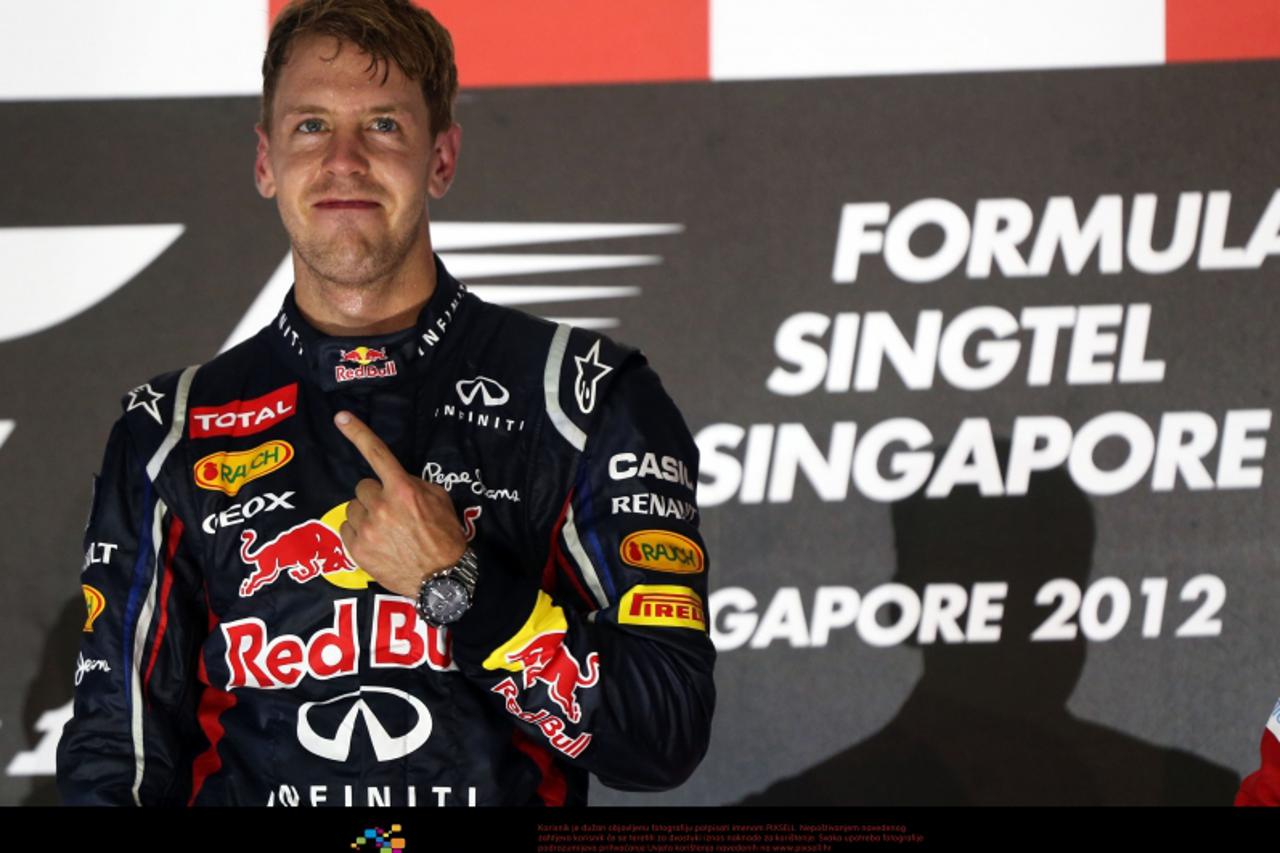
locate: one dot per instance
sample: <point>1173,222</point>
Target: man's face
<point>351,161</point>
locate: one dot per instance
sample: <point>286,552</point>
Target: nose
<point>346,155</point>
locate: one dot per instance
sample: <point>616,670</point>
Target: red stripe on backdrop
<point>549,42</point>
<point>1202,30</point>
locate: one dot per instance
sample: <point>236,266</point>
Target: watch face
<point>444,600</point>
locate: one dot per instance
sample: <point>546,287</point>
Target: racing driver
<point>401,547</point>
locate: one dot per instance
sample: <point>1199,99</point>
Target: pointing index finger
<point>374,450</point>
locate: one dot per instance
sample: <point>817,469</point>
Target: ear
<point>262,176</point>
<point>444,160</point>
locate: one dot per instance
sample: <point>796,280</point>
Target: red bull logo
<point>255,658</point>
<point>362,355</point>
<point>304,551</point>
<point>365,359</point>
<point>545,658</point>
<point>551,726</point>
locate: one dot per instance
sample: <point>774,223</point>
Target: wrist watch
<point>446,595</point>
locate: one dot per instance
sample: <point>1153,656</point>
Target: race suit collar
<point>354,363</point>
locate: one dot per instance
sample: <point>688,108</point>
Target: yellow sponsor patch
<point>545,618</point>
<point>94,603</point>
<point>662,551</point>
<point>663,606</point>
<point>228,472</point>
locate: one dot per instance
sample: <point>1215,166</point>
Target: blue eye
<point>310,125</point>
<point>385,124</point>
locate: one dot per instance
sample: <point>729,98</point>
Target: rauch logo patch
<point>229,471</point>
<point>662,551</point>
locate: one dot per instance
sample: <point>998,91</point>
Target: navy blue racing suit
<point>234,653</point>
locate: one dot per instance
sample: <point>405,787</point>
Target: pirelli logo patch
<point>662,606</point>
<point>662,551</point>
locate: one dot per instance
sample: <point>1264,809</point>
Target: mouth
<point>346,204</point>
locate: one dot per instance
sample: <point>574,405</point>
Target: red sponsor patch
<point>245,417</point>
<point>254,658</point>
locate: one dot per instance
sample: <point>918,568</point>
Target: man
<point>401,547</point>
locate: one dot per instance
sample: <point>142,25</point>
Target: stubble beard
<point>350,258</point>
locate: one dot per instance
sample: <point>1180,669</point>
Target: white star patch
<point>584,389</point>
<point>145,397</point>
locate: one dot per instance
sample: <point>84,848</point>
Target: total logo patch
<point>366,364</point>
<point>94,603</point>
<point>228,471</point>
<point>662,606</point>
<point>662,551</point>
<point>245,417</point>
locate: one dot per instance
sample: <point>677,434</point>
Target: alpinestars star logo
<point>590,372</point>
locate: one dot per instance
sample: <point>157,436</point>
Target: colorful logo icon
<point>379,838</point>
<point>94,602</point>
<point>362,355</point>
<point>366,364</point>
<point>662,551</point>
<point>228,472</point>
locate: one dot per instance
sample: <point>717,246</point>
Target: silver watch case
<point>446,596</point>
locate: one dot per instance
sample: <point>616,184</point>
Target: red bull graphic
<point>538,651</point>
<point>400,640</point>
<point>551,726</point>
<point>363,355</point>
<point>546,658</point>
<point>305,551</point>
<point>365,360</point>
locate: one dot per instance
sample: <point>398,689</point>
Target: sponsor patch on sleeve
<point>94,602</point>
<point>662,551</point>
<point>662,606</point>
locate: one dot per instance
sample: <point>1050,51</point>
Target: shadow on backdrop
<point>987,723</point>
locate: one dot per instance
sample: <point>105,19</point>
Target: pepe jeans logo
<point>84,665</point>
